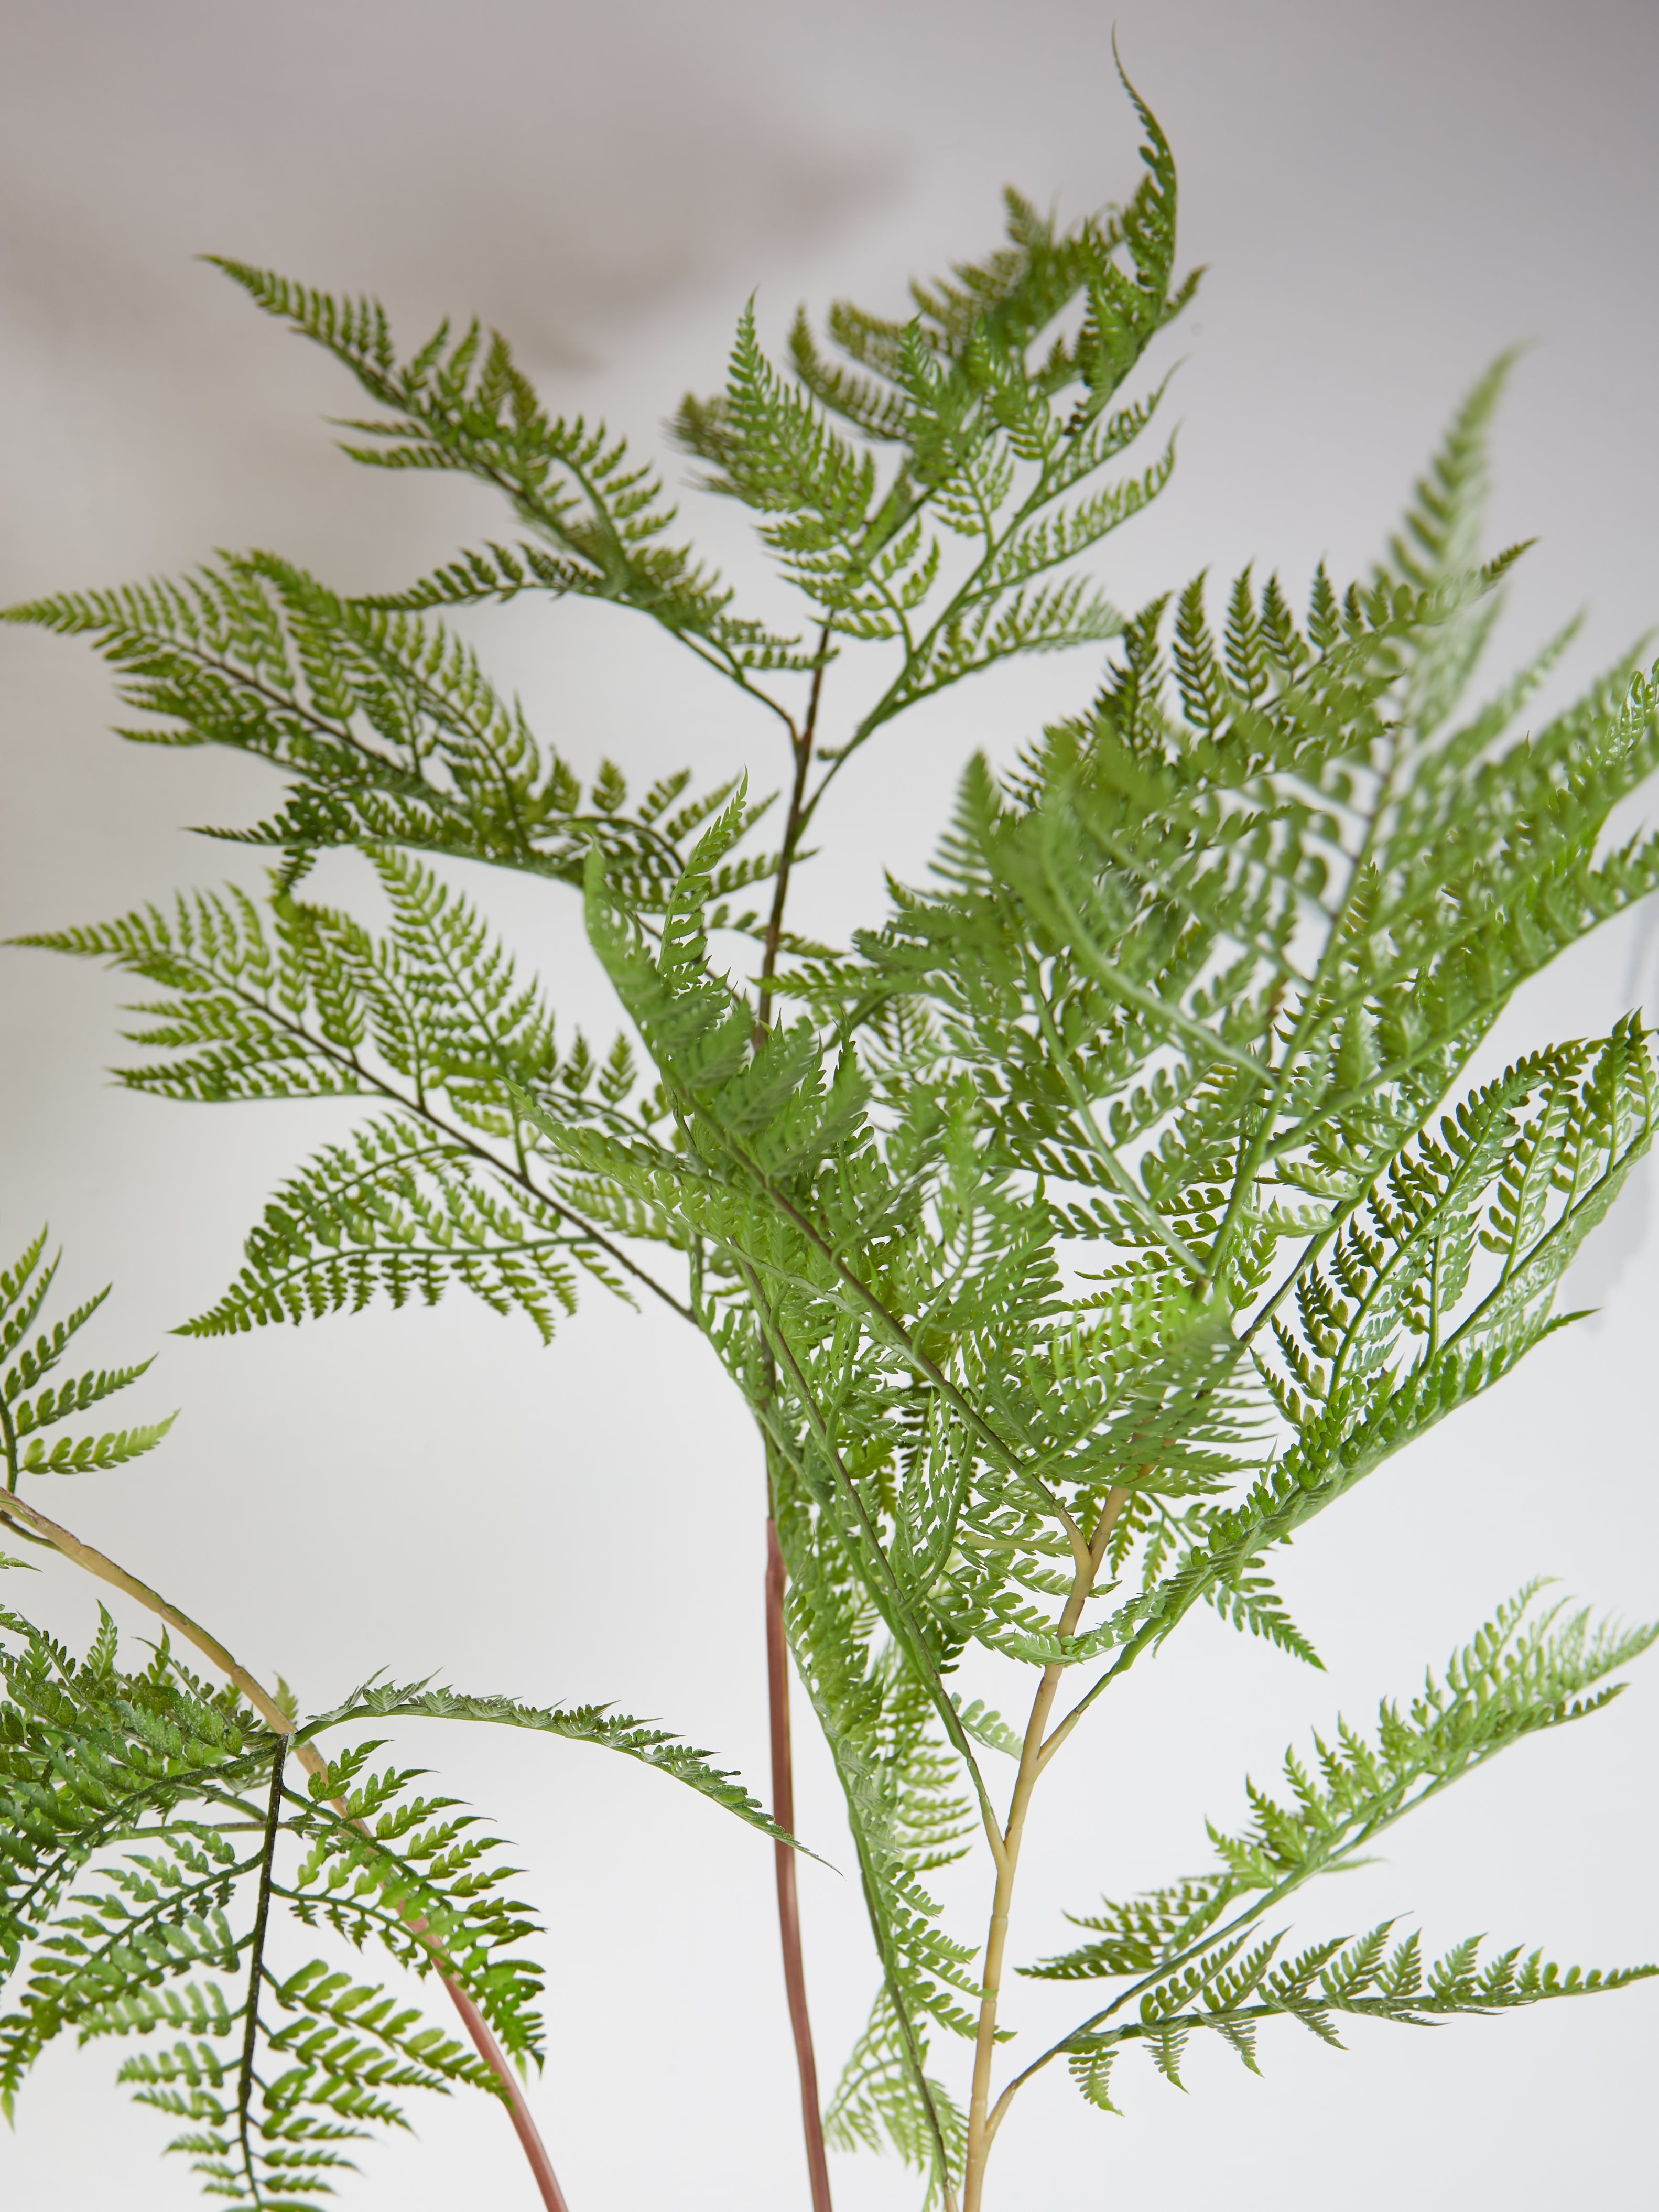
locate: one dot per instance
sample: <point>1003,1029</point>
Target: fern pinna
<point>1075,1235</point>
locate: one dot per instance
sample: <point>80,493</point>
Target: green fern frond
<point>597,1724</point>
<point>394,1213</point>
<point>1525,1671</point>
<point>876,2106</point>
<point>29,1405</point>
<point>388,725</point>
<point>139,1815</point>
<point>463,404</point>
<point>1342,1979</point>
<point>433,1021</point>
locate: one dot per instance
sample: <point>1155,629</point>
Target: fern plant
<point>1075,1233</point>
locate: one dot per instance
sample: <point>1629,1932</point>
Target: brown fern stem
<point>783,1812</point>
<point>801,741</point>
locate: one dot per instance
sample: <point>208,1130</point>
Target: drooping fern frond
<point>597,1724</point>
<point>878,2104</point>
<point>462,403</point>
<point>907,1817</point>
<point>158,1856</point>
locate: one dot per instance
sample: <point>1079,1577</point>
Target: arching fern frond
<point>1232,1993</point>
<point>597,1724</point>
<point>1527,1670</point>
<point>158,1858</point>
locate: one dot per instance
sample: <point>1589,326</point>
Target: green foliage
<point>388,728</point>
<point>1124,1201</point>
<point>432,1021</point>
<point>992,434</point>
<point>149,1830</point>
<point>1194,1954</point>
<point>908,1818</point>
<point>463,404</point>
<point>885,2099</point>
<point>1193,989</point>
<point>29,1405</point>
<point>157,1849</point>
<point>1230,1992</point>
<point>642,1740</point>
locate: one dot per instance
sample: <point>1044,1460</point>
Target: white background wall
<point>1386,196</point>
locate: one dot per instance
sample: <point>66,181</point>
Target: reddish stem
<point>524,2125</point>
<point>783,1812</point>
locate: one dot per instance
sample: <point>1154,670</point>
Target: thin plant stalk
<point>783,1812</point>
<point>981,2129</point>
<point>777,1643</point>
<point>256,1962</point>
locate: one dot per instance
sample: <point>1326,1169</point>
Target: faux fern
<point>1075,1234</point>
